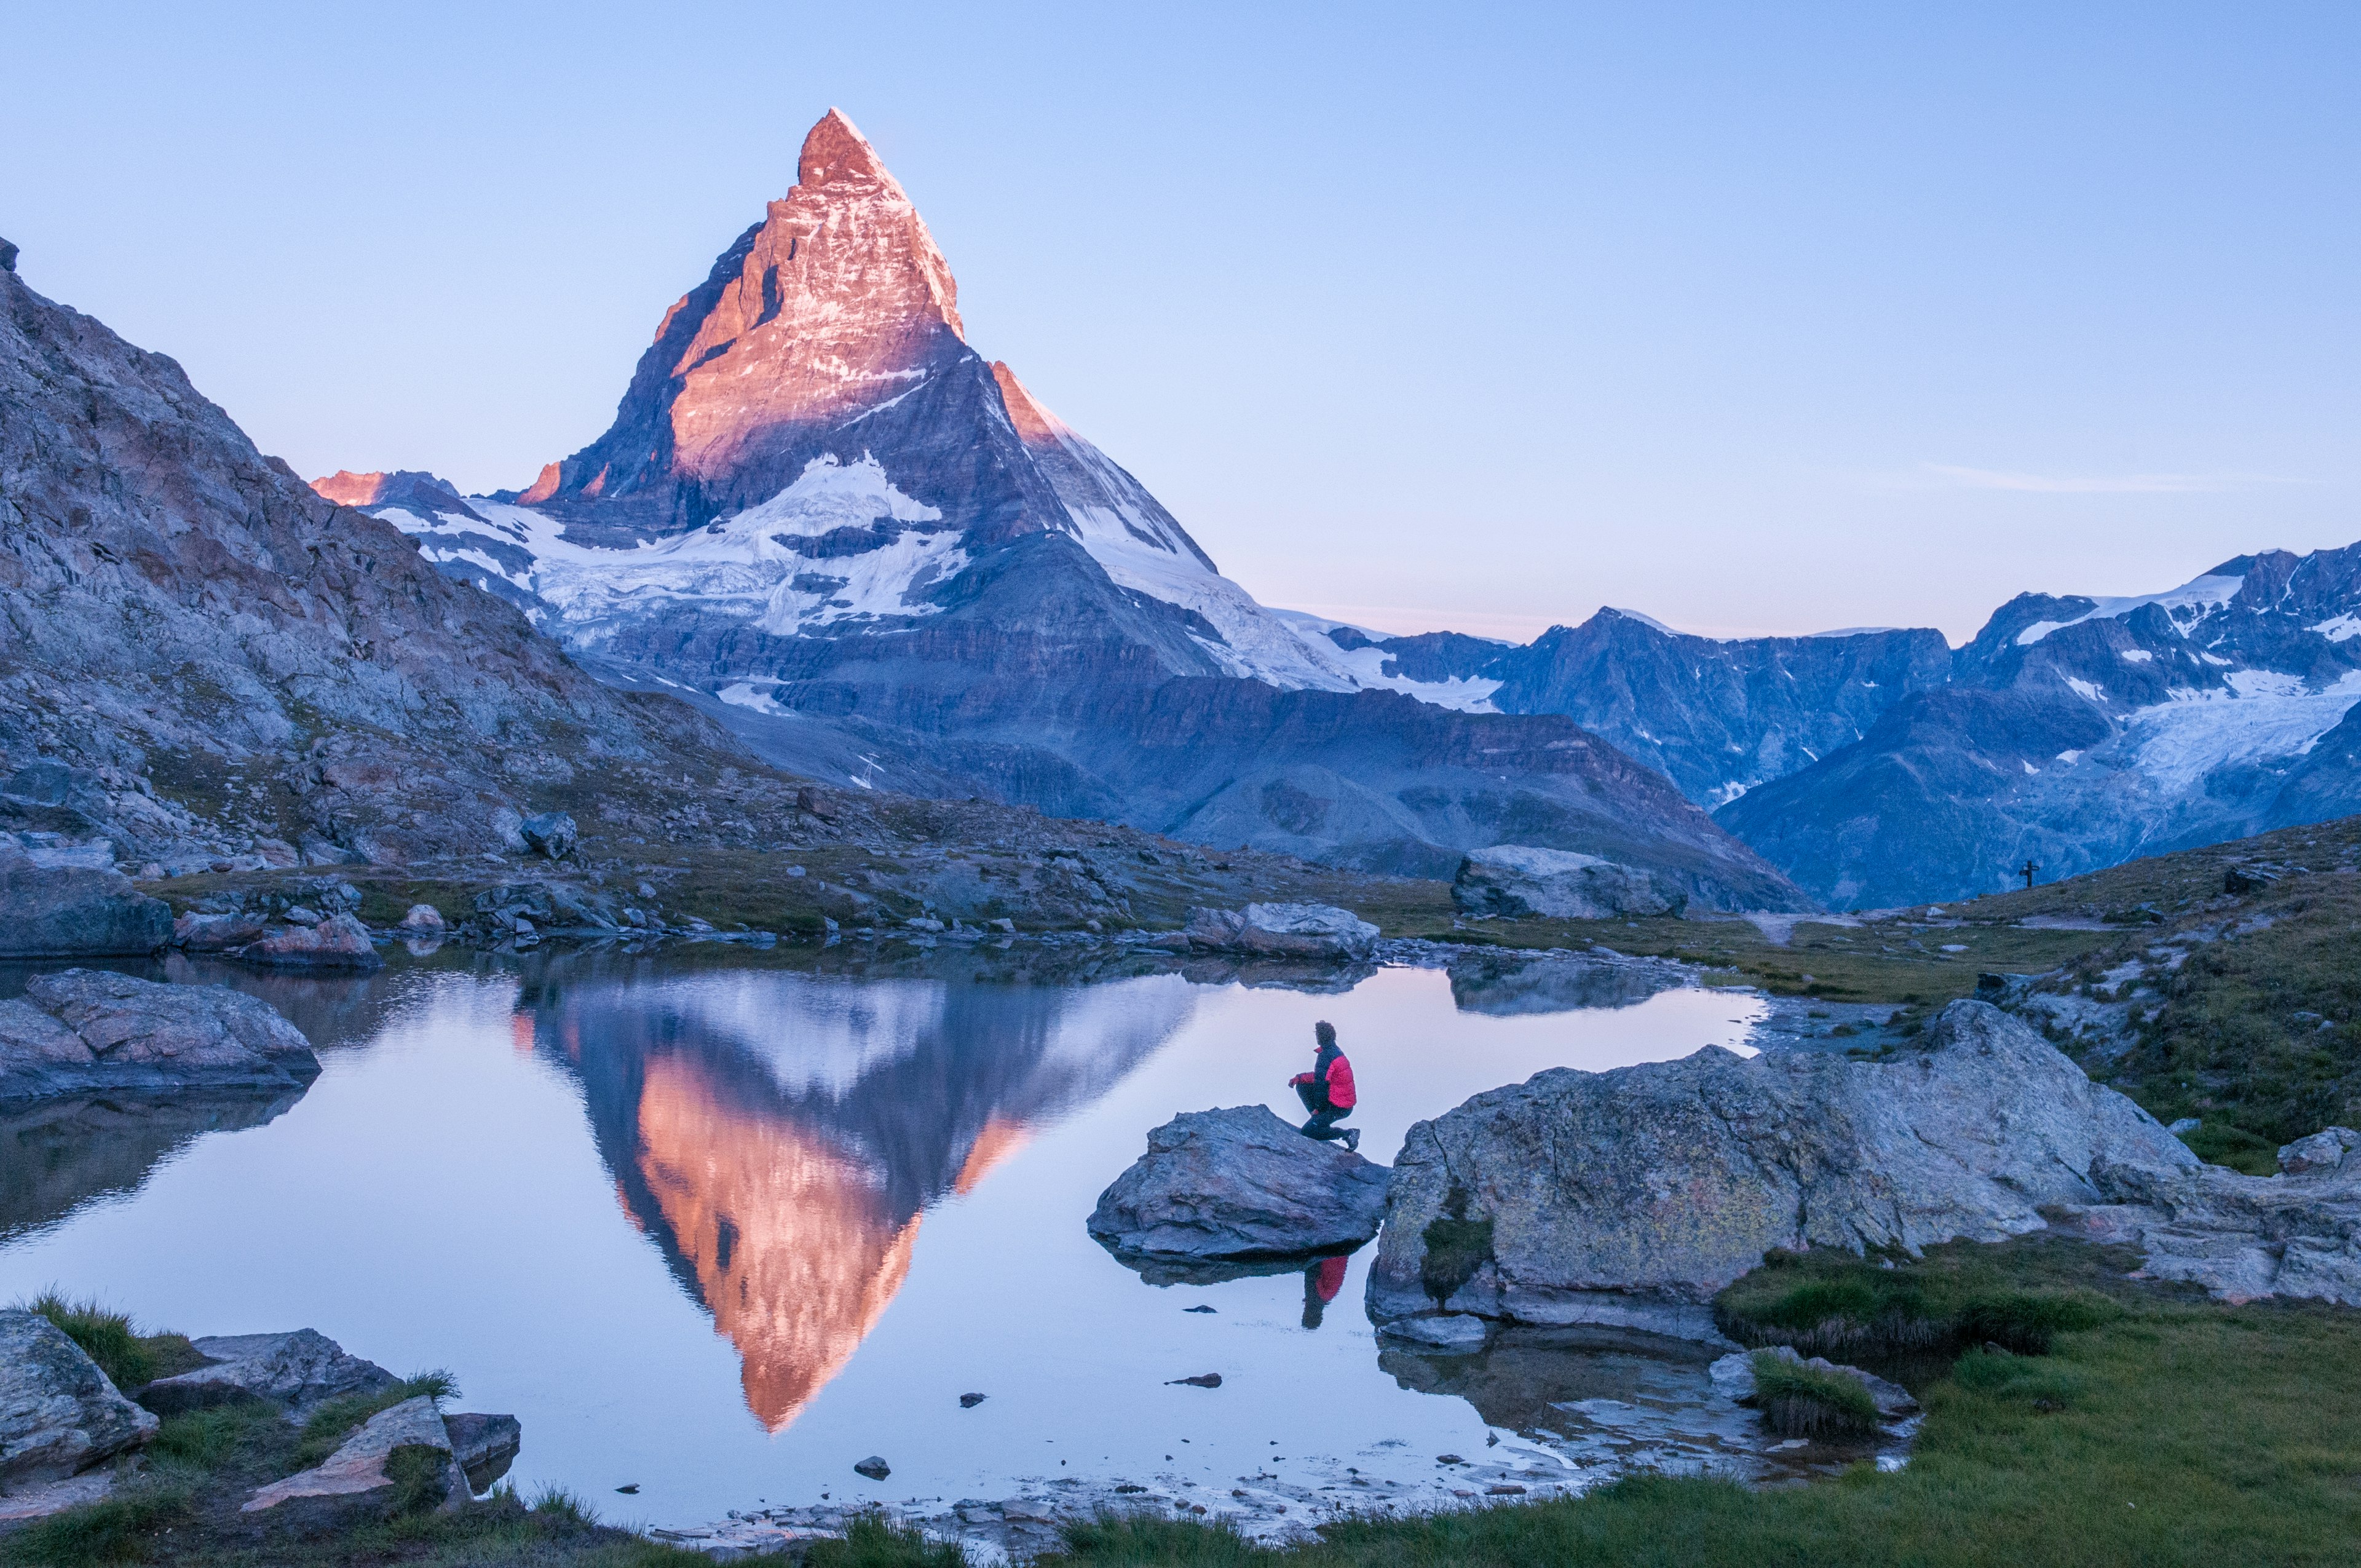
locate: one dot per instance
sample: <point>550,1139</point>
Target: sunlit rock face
<point>780,1137</point>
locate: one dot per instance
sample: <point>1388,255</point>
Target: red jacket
<point>1336,1072</point>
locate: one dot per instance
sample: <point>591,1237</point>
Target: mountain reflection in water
<point>781,1135</point>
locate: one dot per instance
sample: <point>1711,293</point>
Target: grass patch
<point>872,1541</point>
<point>2219,1143</point>
<point>1886,1309</point>
<point>1798,1401</point>
<point>330,1423</point>
<point>129,1358</point>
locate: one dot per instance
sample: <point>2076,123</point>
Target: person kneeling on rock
<point>1327,1091</point>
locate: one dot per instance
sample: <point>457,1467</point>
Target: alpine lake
<point>717,1223</point>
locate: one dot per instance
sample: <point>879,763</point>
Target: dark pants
<point>1324,1116</point>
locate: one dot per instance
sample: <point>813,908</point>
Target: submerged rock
<point>58,1413</point>
<point>1239,1183</point>
<point>1282,930</point>
<point>294,1371</point>
<point>1520,880</point>
<point>83,1030</point>
<point>74,911</point>
<point>1631,1197</point>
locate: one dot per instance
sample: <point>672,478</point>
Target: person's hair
<point>1324,1032</point>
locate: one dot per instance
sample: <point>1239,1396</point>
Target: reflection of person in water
<point>1321,1283</point>
<point>1327,1091</point>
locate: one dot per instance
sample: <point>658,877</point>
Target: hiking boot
<point>1353,1139</point>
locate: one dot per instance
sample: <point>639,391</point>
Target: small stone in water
<point>1203,1380</point>
<point>1199,1309</point>
<point>875,1468</point>
<point>630,1489</point>
<point>970,1402</point>
<point>1449,1459</point>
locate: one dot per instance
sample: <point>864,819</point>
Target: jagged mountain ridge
<point>1880,767</point>
<point>824,518</point>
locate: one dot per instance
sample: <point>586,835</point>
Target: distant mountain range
<point>823,518</point>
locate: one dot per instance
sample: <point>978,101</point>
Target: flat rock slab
<point>1631,1197</point>
<point>1282,930</point>
<point>1520,881</point>
<point>360,1465</point>
<point>59,1414</point>
<point>295,1371</point>
<point>2245,1238</point>
<point>74,911</point>
<point>1239,1183</point>
<point>83,1030</point>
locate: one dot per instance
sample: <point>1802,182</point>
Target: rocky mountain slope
<point>824,520</point>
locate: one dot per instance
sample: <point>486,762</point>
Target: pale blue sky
<point>1751,317</point>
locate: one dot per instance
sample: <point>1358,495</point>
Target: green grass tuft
<point>872,1541</point>
<point>129,1358</point>
<point>330,1423</point>
<point>110,1531</point>
<point>1810,1402</point>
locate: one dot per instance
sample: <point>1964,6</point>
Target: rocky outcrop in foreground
<point>1282,931</point>
<point>2243,1237</point>
<point>84,1030</point>
<point>1239,1183</point>
<point>360,1464</point>
<point>74,911</point>
<point>295,1371</point>
<point>1519,881</point>
<point>1631,1197</point>
<point>58,1413</point>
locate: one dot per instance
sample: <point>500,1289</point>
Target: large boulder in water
<point>1239,1183</point>
<point>74,911</point>
<point>1631,1197</point>
<point>1521,880</point>
<point>79,1031</point>
<point>1282,931</point>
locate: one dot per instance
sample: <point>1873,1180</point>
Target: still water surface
<point>720,1227</point>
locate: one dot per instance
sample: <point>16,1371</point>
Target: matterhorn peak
<point>835,150</point>
<point>837,303</point>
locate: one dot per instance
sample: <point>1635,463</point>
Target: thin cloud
<point>2099,485</point>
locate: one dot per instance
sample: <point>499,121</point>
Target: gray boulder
<point>2243,1237</point>
<point>83,1030</point>
<point>1239,1183</point>
<point>484,1445</point>
<point>58,1413</point>
<point>1733,1379</point>
<point>1631,1197</point>
<point>1520,881</point>
<point>295,1371</point>
<point>74,911</point>
<point>360,1464</point>
<point>1282,930</point>
<point>551,834</point>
